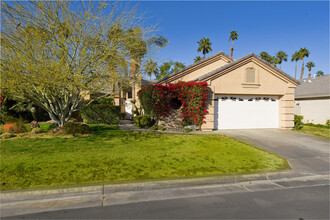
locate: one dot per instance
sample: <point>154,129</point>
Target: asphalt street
<point>293,203</point>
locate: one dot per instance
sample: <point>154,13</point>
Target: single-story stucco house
<point>312,99</point>
<point>244,93</point>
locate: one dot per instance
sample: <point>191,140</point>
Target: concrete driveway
<point>305,153</point>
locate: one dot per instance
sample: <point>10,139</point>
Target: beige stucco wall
<point>315,111</point>
<point>268,82</point>
<point>193,75</point>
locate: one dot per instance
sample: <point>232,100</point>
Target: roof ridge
<point>194,64</point>
<point>241,59</point>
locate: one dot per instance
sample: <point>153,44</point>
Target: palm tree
<point>151,68</point>
<point>264,55</point>
<point>295,57</point>
<point>198,58</point>
<point>204,46</point>
<point>303,53</point>
<point>320,73</point>
<point>233,36</point>
<point>309,65</point>
<point>281,56</point>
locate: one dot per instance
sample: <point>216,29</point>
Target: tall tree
<point>264,55</point>
<point>320,73</point>
<point>168,68</point>
<point>281,56</point>
<point>295,57</point>
<point>204,45</point>
<point>303,53</point>
<point>151,68</point>
<point>310,65</point>
<point>53,56</point>
<point>197,59</point>
<point>233,36</point>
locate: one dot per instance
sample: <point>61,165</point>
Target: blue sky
<point>261,26</point>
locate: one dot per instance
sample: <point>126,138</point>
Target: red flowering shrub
<point>12,128</point>
<point>155,100</point>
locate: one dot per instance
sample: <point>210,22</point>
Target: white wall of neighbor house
<point>316,111</point>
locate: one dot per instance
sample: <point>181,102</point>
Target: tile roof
<point>314,87</point>
<point>146,82</point>
<point>194,64</point>
<point>200,78</point>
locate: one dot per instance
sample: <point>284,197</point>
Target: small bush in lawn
<point>51,126</point>
<point>17,127</point>
<point>298,124</point>
<point>142,121</point>
<point>7,135</point>
<point>161,128</point>
<point>76,128</point>
<point>36,131</point>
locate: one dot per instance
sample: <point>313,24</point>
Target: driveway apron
<point>305,153</point>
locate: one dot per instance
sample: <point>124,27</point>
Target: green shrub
<point>76,128</point>
<point>327,123</point>
<point>154,128</point>
<point>100,114</point>
<point>142,121</point>
<point>298,124</point>
<point>161,128</point>
<point>157,127</point>
<point>9,119</point>
<point>36,131</point>
<point>7,135</point>
<point>53,125</point>
<point>105,101</point>
<point>317,125</point>
<point>187,129</point>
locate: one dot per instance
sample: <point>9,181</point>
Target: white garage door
<point>244,112</point>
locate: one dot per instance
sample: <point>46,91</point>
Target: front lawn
<point>318,131</point>
<point>112,155</point>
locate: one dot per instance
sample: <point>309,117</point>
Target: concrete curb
<point>32,201</point>
<point>36,194</point>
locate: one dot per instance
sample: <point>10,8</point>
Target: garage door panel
<point>244,112</point>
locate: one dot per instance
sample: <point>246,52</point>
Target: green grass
<point>112,155</point>
<point>317,131</point>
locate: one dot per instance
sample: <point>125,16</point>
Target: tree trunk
<point>302,69</point>
<point>280,66</point>
<point>309,74</point>
<point>232,49</point>
<point>295,71</point>
<point>203,54</point>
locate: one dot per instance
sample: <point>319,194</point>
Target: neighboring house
<point>312,99</point>
<point>245,93</point>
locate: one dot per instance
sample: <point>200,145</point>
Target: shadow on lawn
<point>105,132</point>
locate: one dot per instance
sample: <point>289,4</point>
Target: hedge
<point>100,114</point>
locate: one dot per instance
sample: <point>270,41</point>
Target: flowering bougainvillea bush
<point>156,100</point>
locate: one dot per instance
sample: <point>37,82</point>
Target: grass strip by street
<point>112,155</point>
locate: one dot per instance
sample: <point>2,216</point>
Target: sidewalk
<point>33,201</point>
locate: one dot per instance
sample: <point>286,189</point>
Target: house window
<point>250,75</point>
